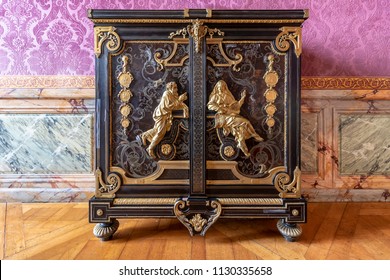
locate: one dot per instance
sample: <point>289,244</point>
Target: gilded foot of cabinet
<point>198,117</point>
<point>105,231</point>
<point>290,231</point>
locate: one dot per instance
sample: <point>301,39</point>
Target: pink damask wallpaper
<point>54,37</point>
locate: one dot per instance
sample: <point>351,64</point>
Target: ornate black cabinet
<point>197,117</point>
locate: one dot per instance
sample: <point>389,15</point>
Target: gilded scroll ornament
<point>125,78</point>
<point>198,222</point>
<point>164,62</point>
<point>228,116</point>
<point>286,187</point>
<point>107,190</point>
<point>289,34</point>
<point>271,79</point>
<point>106,33</point>
<point>163,117</point>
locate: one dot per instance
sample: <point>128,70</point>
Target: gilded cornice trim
<point>185,20</point>
<point>54,81</point>
<point>343,83</point>
<point>307,83</point>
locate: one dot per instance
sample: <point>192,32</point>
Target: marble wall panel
<point>364,144</point>
<point>309,142</point>
<point>45,144</point>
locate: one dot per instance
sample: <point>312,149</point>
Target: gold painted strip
<point>144,201</point>
<point>307,82</point>
<point>250,201</point>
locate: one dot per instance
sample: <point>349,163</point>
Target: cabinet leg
<point>290,231</point>
<point>105,231</point>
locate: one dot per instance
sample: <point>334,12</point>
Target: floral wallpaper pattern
<point>54,37</point>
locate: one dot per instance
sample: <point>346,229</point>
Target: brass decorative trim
<point>250,201</point>
<point>230,62</point>
<point>241,179</point>
<point>106,33</point>
<point>289,34</point>
<point>197,31</point>
<point>198,222</point>
<point>271,79</point>
<point>49,81</point>
<point>307,82</point>
<point>125,78</point>
<point>286,187</point>
<point>209,13</point>
<point>162,165</point>
<point>107,190</point>
<point>343,83</point>
<point>161,63</point>
<point>306,13</point>
<point>144,201</point>
<point>208,20</point>
<point>186,13</point>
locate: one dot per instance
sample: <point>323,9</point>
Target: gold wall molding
<point>47,81</point>
<point>378,83</point>
<point>307,82</point>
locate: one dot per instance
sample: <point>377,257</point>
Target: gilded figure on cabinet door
<point>228,116</point>
<point>163,117</point>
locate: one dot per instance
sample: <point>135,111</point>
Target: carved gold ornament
<point>228,116</point>
<point>163,117</point>
<point>197,31</point>
<point>106,33</point>
<point>271,79</point>
<point>288,35</point>
<point>199,223</point>
<point>161,63</point>
<point>286,187</point>
<point>106,190</point>
<point>125,78</point>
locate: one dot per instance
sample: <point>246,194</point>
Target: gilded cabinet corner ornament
<point>228,118</point>
<point>106,33</point>
<point>197,223</point>
<point>163,118</point>
<point>125,78</point>
<point>289,34</point>
<point>271,79</point>
<point>286,187</point>
<point>107,190</point>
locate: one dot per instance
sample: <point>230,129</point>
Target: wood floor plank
<point>321,243</point>
<point>342,242</point>
<point>198,248</point>
<point>3,211</point>
<point>14,230</point>
<point>177,249</point>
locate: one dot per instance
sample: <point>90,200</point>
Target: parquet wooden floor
<point>61,231</point>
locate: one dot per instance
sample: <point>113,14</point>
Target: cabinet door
<point>252,113</point>
<point>142,112</point>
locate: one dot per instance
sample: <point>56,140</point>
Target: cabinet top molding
<point>207,15</point>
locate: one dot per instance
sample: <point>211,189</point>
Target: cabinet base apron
<point>198,215</point>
